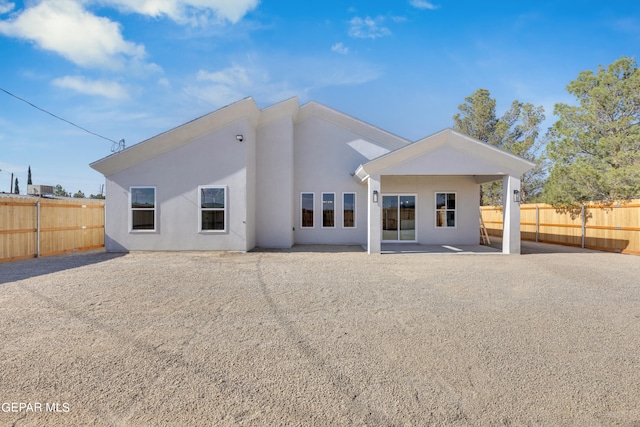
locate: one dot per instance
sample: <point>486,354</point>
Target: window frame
<point>399,229</point>
<point>355,210</point>
<point>446,209</point>
<point>154,209</point>
<point>224,209</point>
<point>313,212</point>
<point>334,209</point>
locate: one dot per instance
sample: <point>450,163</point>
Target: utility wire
<point>117,145</point>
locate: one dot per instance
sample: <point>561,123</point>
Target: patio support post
<point>511,216</point>
<point>374,234</point>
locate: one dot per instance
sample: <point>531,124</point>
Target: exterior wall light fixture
<point>516,196</point>
<point>240,138</point>
<point>375,196</point>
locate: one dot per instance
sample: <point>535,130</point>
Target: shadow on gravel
<point>25,269</point>
<point>528,247</point>
<point>314,248</point>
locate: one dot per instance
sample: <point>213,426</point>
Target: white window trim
<point>155,209</point>
<point>335,213</point>
<point>416,220</point>
<point>435,206</point>
<point>314,210</point>
<point>355,210</point>
<point>225,209</point>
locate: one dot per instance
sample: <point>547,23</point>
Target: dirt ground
<point>319,337</point>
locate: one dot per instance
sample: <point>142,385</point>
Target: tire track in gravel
<point>341,382</point>
<point>452,353</point>
<point>163,361</point>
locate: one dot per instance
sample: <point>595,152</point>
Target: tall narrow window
<point>446,210</point>
<point>143,208</point>
<point>328,210</point>
<point>349,210</point>
<point>213,206</point>
<point>306,205</point>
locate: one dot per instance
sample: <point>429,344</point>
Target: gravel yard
<point>316,337</point>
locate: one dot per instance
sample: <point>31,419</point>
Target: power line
<point>116,146</point>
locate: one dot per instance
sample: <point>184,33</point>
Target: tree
<point>29,182</point>
<point>477,116</point>
<point>79,195</point>
<point>97,196</point>
<point>16,187</point>
<point>595,145</point>
<point>58,191</point>
<point>517,131</point>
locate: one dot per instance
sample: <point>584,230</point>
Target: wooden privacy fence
<point>31,227</point>
<point>614,228</point>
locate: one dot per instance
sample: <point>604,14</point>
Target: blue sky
<point>130,69</point>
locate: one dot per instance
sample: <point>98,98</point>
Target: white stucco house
<point>243,177</point>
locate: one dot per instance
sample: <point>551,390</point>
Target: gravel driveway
<point>321,338</point>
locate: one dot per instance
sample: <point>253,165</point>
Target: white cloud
<point>296,76</point>
<point>368,28</point>
<point>189,11</point>
<point>64,27</point>
<point>107,89</point>
<point>232,76</point>
<point>340,48</point>
<point>6,6</point>
<point>230,84</point>
<point>423,4</point>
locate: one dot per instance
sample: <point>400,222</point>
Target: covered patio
<point>433,186</point>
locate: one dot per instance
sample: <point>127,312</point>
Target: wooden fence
<point>613,228</point>
<point>32,226</point>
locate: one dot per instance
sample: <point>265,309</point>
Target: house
<point>243,177</point>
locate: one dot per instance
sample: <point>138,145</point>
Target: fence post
<point>38,227</point>
<point>584,221</point>
<point>537,222</point>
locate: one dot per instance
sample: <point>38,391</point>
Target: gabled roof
<point>178,136</point>
<point>246,108</point>
<point>338,118</point>
<point>464,156</point>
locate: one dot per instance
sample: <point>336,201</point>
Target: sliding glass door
<point>398,218</point>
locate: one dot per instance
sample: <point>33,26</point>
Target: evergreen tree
<point>16,187</point>
<point>58,191</point>
<point>595,145</point>
<point>517,131</point>
<point>29,182</point>
<point>79,195</point>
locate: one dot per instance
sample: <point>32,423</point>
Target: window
<point>328,210</point>
<point>143,208</point>
<point>446,210</point>
<point>398,217</point>
<point>212,202</point>
<point>306,205</point>
<point>349,210</point>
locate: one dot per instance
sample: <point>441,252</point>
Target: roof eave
<point>178,136</point>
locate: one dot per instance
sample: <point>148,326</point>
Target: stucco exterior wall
<point>213,159</point>
<point>324,162</point>
<point>274,191</point>
<point>467,192</point>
